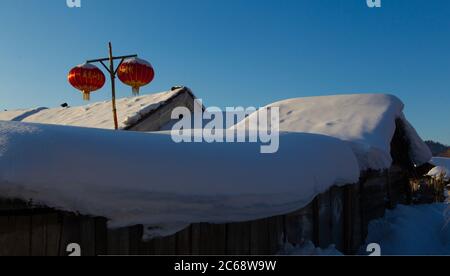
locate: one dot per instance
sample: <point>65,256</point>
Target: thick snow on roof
<point>19,114</point>
<point>97,115</point>
<point>145,178</point>
<point>367,121</point>
<point>440,173</point>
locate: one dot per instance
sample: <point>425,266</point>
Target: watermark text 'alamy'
<point>214,125</point>
<point>73,3</point>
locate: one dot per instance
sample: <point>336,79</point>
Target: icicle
<point>135,91</point>
<point>86,96</point>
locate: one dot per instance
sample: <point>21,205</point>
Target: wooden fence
<point>340,216</point>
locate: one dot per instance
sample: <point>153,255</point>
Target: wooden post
<point>112,74</point>
<point>348,220</point>
<point>113,86</point>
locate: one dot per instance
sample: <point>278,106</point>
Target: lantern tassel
<point>86,96</point>
<point>135,91</point>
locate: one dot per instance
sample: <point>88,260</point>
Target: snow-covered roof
<point>96,115</point>
<point>19,114</point>
<point>442,168</point>
<point>146,178</point>
<point>439,173</point>
<point>129,177</point>
<point>366,121</point>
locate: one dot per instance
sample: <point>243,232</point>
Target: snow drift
<point>141,178</point>
<point>412,230</point>
<point>366,121</point>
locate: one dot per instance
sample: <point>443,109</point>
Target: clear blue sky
<point>237,52</point>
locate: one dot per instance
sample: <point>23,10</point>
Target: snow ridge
<point>366,121</point>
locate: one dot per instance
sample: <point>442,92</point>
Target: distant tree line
<point>438,149</point>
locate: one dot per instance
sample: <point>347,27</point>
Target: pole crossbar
<point>112,72</point>
<point>107,59</point>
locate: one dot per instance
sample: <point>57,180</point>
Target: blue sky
<point>237,52</point>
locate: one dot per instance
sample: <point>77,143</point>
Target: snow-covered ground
<point>441,161</point>
<point>143,178</point>
<point>407,230</point>
<point>366,121</point>
<point>413,230</point>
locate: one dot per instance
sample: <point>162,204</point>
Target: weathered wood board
<point>339,216</point>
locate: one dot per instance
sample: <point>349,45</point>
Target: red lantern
<point>136,73</point>
<point>87,78</point>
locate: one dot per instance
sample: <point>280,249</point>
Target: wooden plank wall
<point>48,232</point>
<point>339,216</point>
